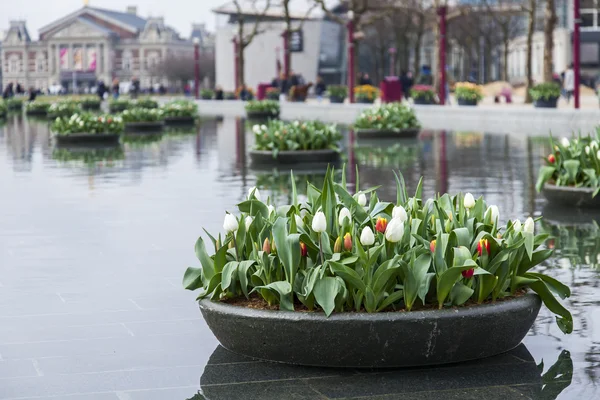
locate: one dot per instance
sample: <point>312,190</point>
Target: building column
<point>107,61</point>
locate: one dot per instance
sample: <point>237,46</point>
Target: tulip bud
<point>551,159</point>
<point>483,243</point>
<point>598,155</point>
<point>361,199</point>
<point>299,222</point>
<point>366,237</point>
<point>394,231</point>
<point>529,225</point>
<point>400,213</point>
<point>469,201</point>
<point>565,142</point>
<point>587,150</point>
<point>253,191</point>
<point>344,213</point>
<point>468,273</point>
<point>319,222</point>
<point>347,242</point>
<point>492,213</point>
<point>517,225</point>
<point>230,224</point>
<point>230,246</point>
<point>337,247</point>
<point>248,221</point>
<point>381,225</point>
<point>266,246</point>
<point>432,245</point>
<point>303,250</point>
<point>271,209</point>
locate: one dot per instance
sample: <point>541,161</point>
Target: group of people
<point>285,83</point>
<point>11,90</point>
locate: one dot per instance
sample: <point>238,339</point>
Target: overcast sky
<point>177,13</point>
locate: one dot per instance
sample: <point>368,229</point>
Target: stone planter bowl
<point>466,102</point>
<point>571,196</point>
<point>410,133</point>
<point>180,120</point>
<point>89,107</point>
<point>378,340</point>
<point>261,115</point>
<point>543,103</point>
<point>87,138</point>
<point>263,157</point>
<point>336,100</point>
<point>423,101</point>
<point>37,113</point>
<point>144,126</point>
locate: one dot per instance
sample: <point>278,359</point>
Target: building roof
<point>133,20</point>
<point>20,29</point>
<point>273,11</point>
<point>94,25</point>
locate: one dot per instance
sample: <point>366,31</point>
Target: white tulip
<point>394,230</point>
<point>594,145</point>
<point>299,222</point>
<point>319,223</point>
<point>493,212</point>
<point>517,225</point>
<point>344,213</point>
<point>598,154</point>
<point>362,199</point>
<point>254,190</point>
<point>230,224</point>
<point>366,237</point>
<point>256,129</point>
<point>271,209</point>
<point>565,142</point>
<point>587,150</point>
<point>469,201</point>
<point>248,221</point>
<point>399,213</point>
<point>529,225</point>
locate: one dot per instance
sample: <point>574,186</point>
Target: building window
<point>40,63</point>
<point>127,61</point>
<point>13,64</point>
<point>589,14</point>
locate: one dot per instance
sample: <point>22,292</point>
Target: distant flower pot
<point>466,102</point>
<point>37,113</point>
<point>261,115</point>
<point>336,100</point>
<point>116,108</point>
<point>155,126</point>
<point>546,103</point>
<point>571,196</point>
<point>423,101</point>
<point>180,120</point>
<point>365,101</point>
<point>88,139</point>
<point>263,157</point>
<point>90,107</point>
<point>387,133</point>
<point>379,340</point>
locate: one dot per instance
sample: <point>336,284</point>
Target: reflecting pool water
<point>93,245</point>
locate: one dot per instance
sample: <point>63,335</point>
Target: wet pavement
<point>93,246</point>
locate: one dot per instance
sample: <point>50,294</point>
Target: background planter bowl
<point>336,100</point>
<point>362,340</point>
<point>261,115</point>
<point>466,102</point>
<point>37,113</point>
<point>571,196</point>
<point>180,120</point>
<point>89,107</point>
<point>87,138</point>
<point>155,126</point>
<point>410,133</point>
<point>365,101</point>
<point>542,103</point>
<point>423,102</point>
<point>117,108</point>
<point>265,157</point>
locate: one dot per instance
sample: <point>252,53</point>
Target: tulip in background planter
<point>37,108</point>
<point>423,94</point>
<point>409,283</point>
<point>262,109</point>
<point>468,94</point>
<point>87,129</point>
<point>143,120</point>
<point>207,94</point>
<point>337,93</point>
<point>545,95</point>
<point>180,112</point>
<point>393,120</point>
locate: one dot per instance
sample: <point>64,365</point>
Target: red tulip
<point>267,246</point>
<point>303,249</point>
<point>551,159</point>
<point>347,242</point>
<point>432,245</point>
<point>483,243</point>
<point>381,225</point>
<point>468,273</point>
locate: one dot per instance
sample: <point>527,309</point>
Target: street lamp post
<point>351,72</point>
<point>197,67</point>
<point>392,52</point>
<point>442,55</point>
<point>576,50</point>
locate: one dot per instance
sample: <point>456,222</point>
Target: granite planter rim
<point>295,157</point>
<point>261,115</point>
<point>387,133</point>
<point>571,196</point>
<point>88,138</point>
<point>377,340</point>
<point>153,126</point>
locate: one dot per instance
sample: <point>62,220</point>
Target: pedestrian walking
<point>320,88</point>
<point>569,83</point>
<point>115,88</point>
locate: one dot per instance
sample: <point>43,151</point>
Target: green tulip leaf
<point>208,267</point>
<point>325,291</point>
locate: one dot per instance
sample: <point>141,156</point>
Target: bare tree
<point>287,15</point>
<point>180,69</point>
<point>530,10</point>
<point>243,38</point>
<point>550,21</point>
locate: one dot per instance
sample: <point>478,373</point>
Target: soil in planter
<point>258,303</point>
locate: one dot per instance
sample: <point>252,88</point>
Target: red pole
<point>576,50</point>
<point>286,53</point>
<point>197,68</point>
<point>351,72</point>
<point>442,55</point>
<point>237,63</point>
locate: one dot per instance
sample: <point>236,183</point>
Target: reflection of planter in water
<point>555,214</point>
<point>142,137</point>
<point>295,157</point>
<point>571,196</point>
<point>388,155</point>
<point>387,339</point>
<point>88,154</point>
<point>261,115</point>
<point>87,138</point>
<point>387,133</point>
<point>155,126</point>
<point>180,120</point>
<point>546,103</point>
